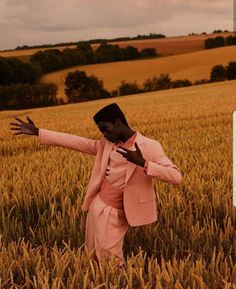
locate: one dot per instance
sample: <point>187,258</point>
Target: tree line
<point>25,95</point>
<point>80,87</point>
<point>20,87</point>
<point>19,81</point>
<point>218,73</point>
<point>14,71</point>
<point>219,41</point>
<point>94,41</point>
<point>83,54</point>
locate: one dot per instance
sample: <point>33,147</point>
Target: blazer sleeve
<point>66,140</point>
<point>161,166</point>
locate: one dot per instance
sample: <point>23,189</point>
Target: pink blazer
<point>139,194</point>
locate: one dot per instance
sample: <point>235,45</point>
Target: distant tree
<point>25,95</point>
<point>218,73</point>
<point>130,52</point>
<point>148,52</point>
<point>231,70</point>
<point>149,84</point>
<point>202,81</point>
<point>217,31</point>
<point>114,92</point>
<point>180,83</point>
<point>88,51</point>
<point>6,72</point>
<point>157,83</point>
<point>219,41</point>
<point>70,57</point>
<point>50,59</point>
<point>150,36</point>
<point>14,71</point>
<point>230,40</point>
<point>80,87</point>
<point>127,88</point>
<point>108,53</point>
<point>209,43</point>
<point>23,47</point>
<point>164,81</point>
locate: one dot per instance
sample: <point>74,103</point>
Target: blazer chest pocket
<point>146,196</point>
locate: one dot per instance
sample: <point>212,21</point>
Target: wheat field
<point>193,242</point>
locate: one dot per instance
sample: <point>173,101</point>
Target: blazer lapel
<point>105,158</point>
<point>131,166</point>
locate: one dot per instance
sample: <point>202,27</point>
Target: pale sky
<point>34,22</point>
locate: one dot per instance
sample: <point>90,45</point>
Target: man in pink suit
<point>120,191</point>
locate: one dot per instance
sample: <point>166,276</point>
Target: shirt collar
<point>129,141</point>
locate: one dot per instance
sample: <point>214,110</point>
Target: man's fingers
<point>21,121</point>
<point>30,121</point>
<point>124,148</point>
<point>14,123</point>
<point>136,145</point>
<point>15,128</point>
<point>123,153</point>
<point>120,152</point>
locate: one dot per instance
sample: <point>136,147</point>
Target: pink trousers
<point>106,224</point>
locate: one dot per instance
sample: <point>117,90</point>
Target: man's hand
<point>133,156</point>
<point>25,128</point>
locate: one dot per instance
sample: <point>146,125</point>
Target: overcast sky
<point>33,22</point>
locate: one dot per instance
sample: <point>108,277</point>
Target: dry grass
<point>193,66</point>
<point>193,242</point>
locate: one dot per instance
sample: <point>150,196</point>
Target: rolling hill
<point>193,66</point>
<point>165,46</point>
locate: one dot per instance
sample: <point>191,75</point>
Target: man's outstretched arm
<point>74,142</point>
<point>49,137</point>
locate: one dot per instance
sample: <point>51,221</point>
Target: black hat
<point>109,113</point>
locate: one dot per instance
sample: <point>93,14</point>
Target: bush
<point>21,96</point>
<point>217,31</point>
<point>231,40</point>
<point>114,92</point>
<point>218,73</point>
<point>157,83</point>
<point>50,59</point>
<point>108,53</point>
<point>54,59</point>
<point>131,52</point>
<point>14,71</point>
<point>87,50</point>
<point>148,52</point>
<point>209,43</point>
<point>181,83</point>
<point>219,41</point>
<point>128,88</point>
<point>202,81</point>
<point>231,70</point>
<point>80,87</point>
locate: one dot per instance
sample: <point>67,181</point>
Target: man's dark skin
<point>113,132</point>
